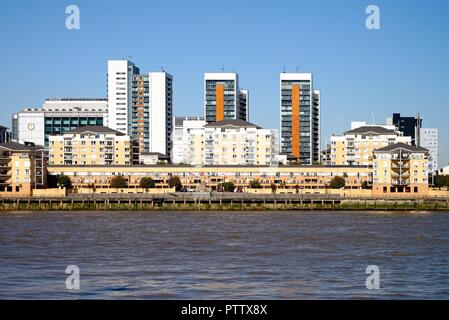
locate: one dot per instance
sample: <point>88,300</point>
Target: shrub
<point>119,182</point>
<point>228,186</point>
<point>337,183</point>
<point>64,181</point>
<point>147,183</point>
<point>175,182</point>
<point>255,184</point>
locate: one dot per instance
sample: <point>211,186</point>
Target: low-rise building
<point>356,146</point>
<point>400,169</point>
<point>93,145</point>
<point>232,142</point>
<point>22,168</point>
<point>202,178</point>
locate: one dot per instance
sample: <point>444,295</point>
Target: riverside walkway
<point>221,201</point>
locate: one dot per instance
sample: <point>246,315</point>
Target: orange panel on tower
<point>219,94</point>
<point>296,124</point>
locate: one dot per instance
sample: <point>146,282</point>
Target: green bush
<point>147,183</point>
<point>337,183</point>
<point>119,182</point>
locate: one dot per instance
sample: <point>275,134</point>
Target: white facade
<point>444,170</point>
<point>181,138</point>
<point>35,124</point>
<point>428,138</point>
<point>120,73</point>
<point>75,104</point>
<point>29,126</point>
<point>161,112</point>
<point>157,128</point>
<point>358,124</point>
<point>232,142</point>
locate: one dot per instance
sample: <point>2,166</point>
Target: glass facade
<point>305,118</point>
<point>59,125</point>
<point>229,99</point>
<point>140,108</point>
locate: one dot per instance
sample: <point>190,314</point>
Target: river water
<point>224,255</point>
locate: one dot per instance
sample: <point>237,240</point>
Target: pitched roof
<point>95,129</point>
<point>232,123</point>
<point>15,146</point>
<point>403,146</point>
<point>375,130</point>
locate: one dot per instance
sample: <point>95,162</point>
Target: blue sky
<point>403,67</point>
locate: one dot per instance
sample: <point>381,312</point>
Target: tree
<point>63,181</point>
<point>337,182</point>
<point>119,182</point>
<point>228,186</point>
<point>175,182</point>
<point>441,181</point>
<point>365,185</point>
<point>255,184</point>
<point>147,183</point>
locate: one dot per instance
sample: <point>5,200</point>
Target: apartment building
<point>22,168</point>
<point>93,145</point>
<point>401,169</point>
<point>223,99</point>
<point>58,115</point>
<point>141,105</point>
<point>428,139</point>
<point>409,126</point>
<point>5,134</point>
<point>356,146</point>
<point>182,151</point>
<point>232,142</point>
<point>300,118</point>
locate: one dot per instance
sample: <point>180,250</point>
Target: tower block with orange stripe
<point>296,122</point>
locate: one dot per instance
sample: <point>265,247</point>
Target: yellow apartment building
<point>232,142</point>
<point>400,169</point>
<point>93,145</point>
<point>356,147</point>
<point>22,168</point>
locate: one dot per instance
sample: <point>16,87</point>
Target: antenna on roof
<point>297,69</point>
<point>222,68</point>
<point>372,115</point>
<point>284,69</point>
<point>129,57</point>
<point>162,68</point>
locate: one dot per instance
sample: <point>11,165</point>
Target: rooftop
<point>232,123</point>
<point>374,130</point>
<point>95,129</point>
<point>76,99</point>
<point>402,146</point>
<point>15,146</point>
